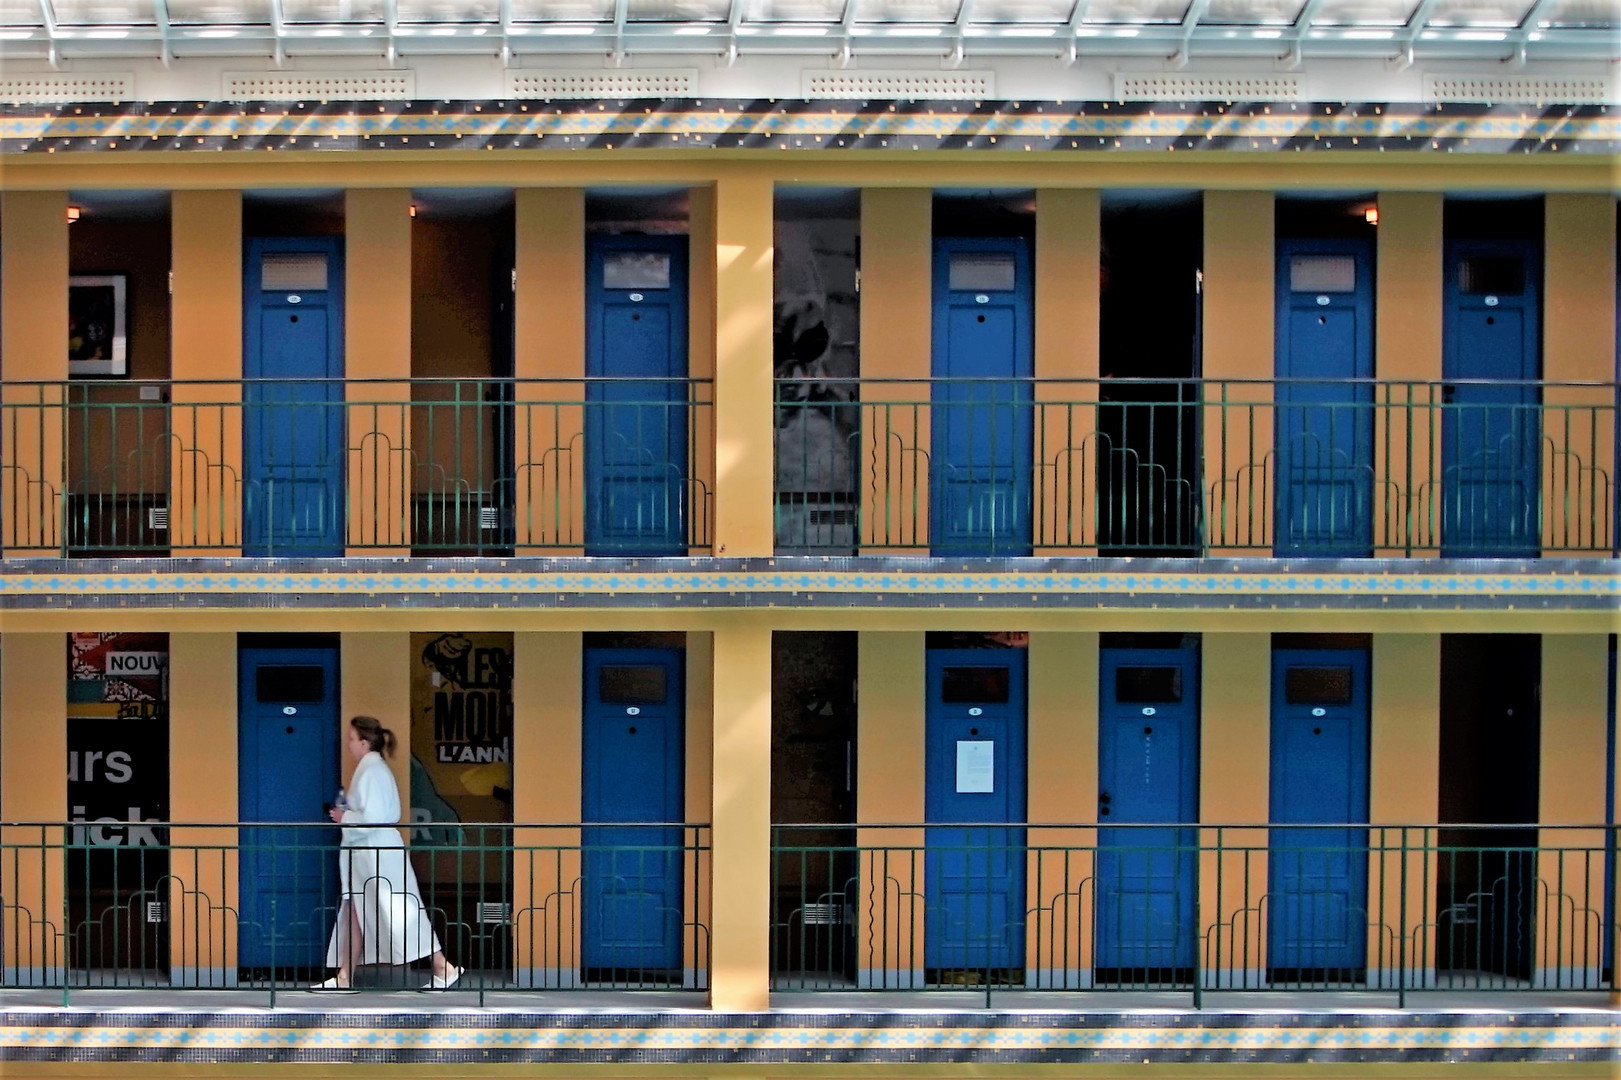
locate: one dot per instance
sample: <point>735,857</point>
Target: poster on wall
<point>118,737</point>
<point>98,342</point>
<point>815,317</point>
<point>461,739</point>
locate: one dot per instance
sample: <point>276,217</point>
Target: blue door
<point>979,471</point>
<point>1317,915</point>
<point>636,416</point>
<point>1148,773</point>
<point>293,458</point>
<point>1491,430</point>
<point>633,768</point>
<point>287,771</point>
<point>1324,429</point>
<point>974,783</point>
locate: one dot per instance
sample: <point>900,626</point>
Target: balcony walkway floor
<point>1581,1031</point>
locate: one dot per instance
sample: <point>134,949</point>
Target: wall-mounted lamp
<point>73,214</point>
<point>413,209</point>
<point>1371,215</point>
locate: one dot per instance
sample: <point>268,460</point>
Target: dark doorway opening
<point>1490,759</point>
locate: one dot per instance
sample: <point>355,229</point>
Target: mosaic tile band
<point>1577,584</point>
<point>486,1037</point>
<point>685,124</point>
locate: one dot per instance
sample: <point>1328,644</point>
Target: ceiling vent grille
<point>60,89</point>
<point>321,86</point>
<point>589,85</point>
<point>898,85</point>
<point>1149,86</point>
<point>1516,90</point>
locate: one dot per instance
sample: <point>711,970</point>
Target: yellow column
<point>1234,789</point>
<point>889,790</point>
<point>1239,271</point>
<point>1404,771</point>
<point>698,904</point>
<point>33,348</point>
<point>203,893</point>
<point>1571,790</point>
<point>701,340</point>
<point>205,476</point>
<point>1407,350</point>
<point>377,682</point>
<point>1062,742</point>
<point>546,752</point>
<point>1069,259</point>
<point>549,362</point>
<point>740,856</point>
<point>33,788</point>
<point>1578,345</point>
<point>897,228</point>
<point>745,425</point>
<point>377,345</point>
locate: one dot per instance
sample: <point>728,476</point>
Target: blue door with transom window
<point>1148,775</point>
<point>1491,426</point>
<point>632,798</point>
<point>1317,925</point>
<point>980,417</point>
<point>974,800</point>
<point>1324,427</point>
<point>636,396</point>
<point>293,413</point>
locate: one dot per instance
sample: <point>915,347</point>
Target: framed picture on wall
<point>98,342</point>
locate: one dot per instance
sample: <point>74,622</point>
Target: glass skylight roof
<point>1407,29</point>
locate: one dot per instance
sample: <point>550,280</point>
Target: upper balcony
<point>956,468</point>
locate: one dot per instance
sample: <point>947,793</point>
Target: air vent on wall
<point>898,85</point>
<point>320,86</point>
<point>56,89</point>
<point>1516,90</point>
<point>667,83</point>
<point>1184,86</point>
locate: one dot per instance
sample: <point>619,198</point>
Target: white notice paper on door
<point>976,767</point>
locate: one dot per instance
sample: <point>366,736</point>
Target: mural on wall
<point>461,739</point>
<point>815,328</point>
<point>118,737</point>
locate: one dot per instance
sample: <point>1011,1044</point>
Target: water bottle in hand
<point>341,802</point>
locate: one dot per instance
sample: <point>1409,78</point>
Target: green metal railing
<point>252,907</point>
<point>435,466</point>
<point>1396,909</point>
<point>1188,467</point>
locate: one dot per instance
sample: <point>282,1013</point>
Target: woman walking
<point>381,917</point>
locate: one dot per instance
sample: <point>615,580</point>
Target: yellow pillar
<point>701,341</point>
<point>740,855</point>
<point>1062,742</point>
<point>1578,345</point>
<point>205,477</point>
<point>203,790</point>
<point>1069,259</point>
<point>1407,350</point>
<point>549,362</point>
<point>377,682</point>
<point>546,763</point>
<point>1234,789</point>
<point>889,790</point>
<point>33,788</point>
<point>377,345</point>
<point>698,905</point>
<point>1239,273</point>
<point>33,348</point>
<point>1571,790</point>
<point>745,424</point>
<point>1404,770</point>
<point>897,227</point>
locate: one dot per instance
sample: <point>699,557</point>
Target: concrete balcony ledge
<point>1587,589</point>
<point>1578,1031</point>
